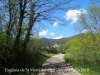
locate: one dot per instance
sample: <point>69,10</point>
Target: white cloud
<point>52,33</point>
<point>84,31</point>
<point>55,23</point>
<point>73,15</point>
<point>59,37</point>
<point>43,32</point>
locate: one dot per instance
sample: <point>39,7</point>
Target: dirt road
<point>57,66</point>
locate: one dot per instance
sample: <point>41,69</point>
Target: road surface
<point>57,66</point>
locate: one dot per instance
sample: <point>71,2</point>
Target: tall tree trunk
<point>19,30</point>
<point>31,23</point>
<point>9,27</point>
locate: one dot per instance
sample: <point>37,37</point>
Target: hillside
<point>49,42</point>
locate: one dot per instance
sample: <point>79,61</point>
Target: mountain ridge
<point>49,42</point>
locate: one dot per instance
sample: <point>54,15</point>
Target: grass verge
<point>83,68</point>
<point>37,61</point>
<point>41,58</point>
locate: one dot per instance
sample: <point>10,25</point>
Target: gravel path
<point>57,66</point>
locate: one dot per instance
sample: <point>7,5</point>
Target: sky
<point>57,31</point>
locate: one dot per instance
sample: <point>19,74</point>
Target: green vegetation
<point>83,53</point>
<point>20,49</point>
<point>19,23</point>
<point>50,42</point>
<point>83,68</point>
<point>55,49</point>
<point>41,58</point>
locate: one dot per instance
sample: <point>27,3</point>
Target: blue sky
<point>57,31</point>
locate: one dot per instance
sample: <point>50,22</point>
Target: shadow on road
<point>57,66</point>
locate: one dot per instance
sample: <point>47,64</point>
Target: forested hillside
<point>50,42</point>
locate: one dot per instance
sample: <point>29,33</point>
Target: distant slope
<point>49,42</point>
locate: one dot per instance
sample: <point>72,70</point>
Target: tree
<point>91,42</point>
<point>90,21</point>
<point>32,12</point>
<point>19,17</point>
<point>94,1</point>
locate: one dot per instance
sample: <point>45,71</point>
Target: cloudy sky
<point>57,31</point>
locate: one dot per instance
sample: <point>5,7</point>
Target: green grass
<point>41,58</point>
<point>35,61</point>
<point>83,68</point>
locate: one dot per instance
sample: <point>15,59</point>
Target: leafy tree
<point>35,46</point>
<point>17,21</point>
<point>94,1</point>
<point>90,22</point>
<point>87,48</point>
